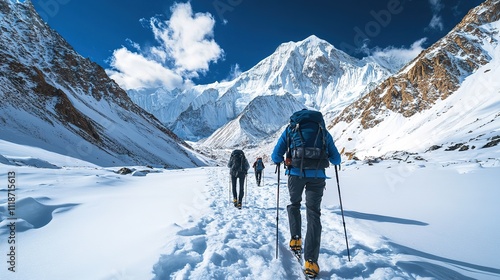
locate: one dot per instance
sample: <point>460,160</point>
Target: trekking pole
<point>229,190</point>
<point>342,211</point>
<point>262,178</point>
<point>246,188</point>
<point>277,206</point>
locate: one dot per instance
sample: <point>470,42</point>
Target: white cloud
<point>404,53</point>
<point>436,5</point>
<point>188,38</point>
<point>185,48</point>
<point>134,71</point>
<point>235,72</point>
<point>398,57</point>
<point>134,45</point>
<point>436,21</point>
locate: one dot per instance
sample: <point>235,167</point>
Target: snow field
<point>404,221</point>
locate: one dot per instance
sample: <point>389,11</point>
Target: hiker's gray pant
<point>234,179</point>
<point>314,188</point>
<point>258,176</point>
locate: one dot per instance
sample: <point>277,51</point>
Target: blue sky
<point>153,43</point>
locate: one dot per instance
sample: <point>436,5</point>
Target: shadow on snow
<point>382,219</point>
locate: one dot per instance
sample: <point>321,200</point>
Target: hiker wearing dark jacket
<point>238,169</point>
<point>313,181</point>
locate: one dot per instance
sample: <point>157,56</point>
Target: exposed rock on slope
<point>434,75</point>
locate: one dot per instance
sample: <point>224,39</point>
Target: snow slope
<point>54,99</point>
<point>264,116</point>
<point>432,220</point>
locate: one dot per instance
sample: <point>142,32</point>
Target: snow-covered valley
<point>404,220</point>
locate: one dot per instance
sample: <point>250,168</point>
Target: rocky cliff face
<point>55,99</point>
<point>446,100</point>
<point>434,75</point>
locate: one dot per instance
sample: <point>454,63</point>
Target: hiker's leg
<point>233,182</point>
<point>242,187</point>
<point>314,195</point>
<point>295,188</point>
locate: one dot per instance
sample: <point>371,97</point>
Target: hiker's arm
<point>334,155</point>
<point>279,149</point>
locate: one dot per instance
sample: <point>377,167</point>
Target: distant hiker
<point>258,166</point>
<point>309,148</point>
<point>238,169</point>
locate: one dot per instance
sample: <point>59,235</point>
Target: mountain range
<point>446,99</point>
<point>310,73</point>
<point>365,101</point>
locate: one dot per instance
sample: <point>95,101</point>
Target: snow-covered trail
<point>227,243</point>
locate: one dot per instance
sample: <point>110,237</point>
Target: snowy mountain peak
<point>309,45</point>
<point>312,72</point>
<point>313,58</point>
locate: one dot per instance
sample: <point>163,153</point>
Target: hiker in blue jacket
<point>310,179</point>
<point>258,166</point>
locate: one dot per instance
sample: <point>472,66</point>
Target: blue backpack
<point>259,165</point>
<point>306,140</point>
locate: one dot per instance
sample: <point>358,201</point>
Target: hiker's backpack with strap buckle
<point>306,140</point>
<point>236,163</point>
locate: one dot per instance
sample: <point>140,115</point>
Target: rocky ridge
<point>434,75</point>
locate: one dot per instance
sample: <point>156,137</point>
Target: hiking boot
<point>296,244</point>
<point>235,202</point>
<point>239,205</point>
<point>311,268</point>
